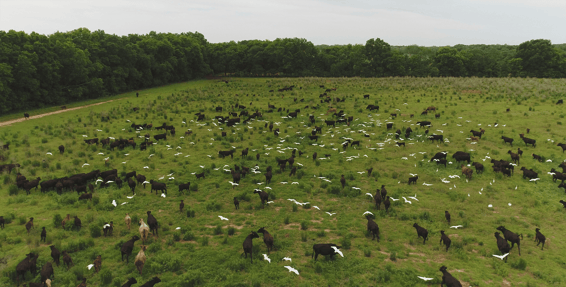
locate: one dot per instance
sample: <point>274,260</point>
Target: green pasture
<point>206,250</point>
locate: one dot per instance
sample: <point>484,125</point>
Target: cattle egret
<point>267,187</point>
<point>316,207</point>
<point>266,258</point>
<point>490,206</point>
<point>424,278</point>
<point>114,203</point>
<point>49,153</point>
<point>367,212</point>
<point>161,177</point>
<point>394,199</point>
<point>509,204</point>
<point>126,154</point>
<point>534,179</point>
<point>515,187</point>
<point>283,182</point>
<point>291,269</point>
<point>100,153</point>
<point>287,259</point>
<point>406,201</point>
<point>85,164</point>
<point>337,250</point>
<point>330,213</point>
<point>110,181</point>
<point>222,218</point>
<point>145,182</point>
<point>456,226</point>
<point>501,256</point>
<point>85,136</point>
<point>294,183</point>
<point>130,197</point>
<point>123,203</point>
<point>105,226</point>
<point>233,183</point>
<point>367,193</point>
<point>412,174</point>
<point>123,162</point>
<point>90,266</point>
<point>415,197</point>
<point>427,184</point>
<point>146,167</point>
<point>270,202</point>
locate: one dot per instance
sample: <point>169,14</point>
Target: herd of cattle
<point>82,183</point>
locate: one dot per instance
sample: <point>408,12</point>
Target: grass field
<point>206,250</point>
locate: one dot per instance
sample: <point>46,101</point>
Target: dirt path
<point>7,123</point>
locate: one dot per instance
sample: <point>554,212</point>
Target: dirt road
<point>7,123</point>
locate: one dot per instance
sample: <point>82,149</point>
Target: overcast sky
<point>397,22</point>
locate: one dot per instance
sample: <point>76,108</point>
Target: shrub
<point>105,276</point>
<point>193,278</point>
<point>304,225</point>
<point>217,230</point>
<point>286,220</point>
<point>231,231</point>
<point>176,236</point>
<point>520,264</point>
<point>13,190</point>
<point>304,237</point>
<point>295,208</point>
<point>346,242</point>
<point>204,241</point>
<point>57,220</point>
<point>393,256</point>
<point>367,252</point>
<point>188,236</point>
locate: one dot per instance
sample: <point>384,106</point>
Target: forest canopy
<point>45,70</point>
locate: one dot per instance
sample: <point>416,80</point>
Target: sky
<point>330,22</point>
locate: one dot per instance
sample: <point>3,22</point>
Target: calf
<point>514,156</point>
<point>46,271</point>
<point>377,198</point>
<point>476,133</point>
<point>400,144</point>
<point>267,238</point>
<point>507,140</point>
<point>510,236</point>
<point>558,175</point>
<point>438,138</point>
<point>263,196</point>
<point>478,166</point>
<point>563,146</point>
<point>248,246</point>
<point>502,245</point>
<point>55,254</point>
<point>373,228</point>
<point>200,175</point>
<point>421,232</point>
<point>61,149</point>
<point>446,239</point>
<point>152,222</point>
<point>236,203</point>
<point>467,171</point>
<point>184,186</point>
<point>413,180</point>
<point>29,224</point>
<point>324,249</point>
<point>529,173</point>
<point>537,157</point>
<point>528,141</point>
<point>540,238</point>
<point>448,279</point>
<point>67,260</point>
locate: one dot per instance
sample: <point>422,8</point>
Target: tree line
<point>44,70</point>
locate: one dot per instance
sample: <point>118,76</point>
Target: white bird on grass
<point>146,167</point>
<point>456,226</point>
<point>130,197</point>
<point>287,259</point>
<point>356,188</point>
<point>490,206</point>
<point>424,278</point>
<point>367,193</point>
<point>294,183</point>
<point>367,212</point>
<point>90,266</point>
<point>291,269</point>
<point>330,213</point>
<point>123,203</point>
<point>178,228</point>
<point>145,182</point>
<point>337,250</point>
<point>361,172</point>
<point>233,183</point>
<point>406,201</point>
<point>49,153</point>
<point>316,207</point>
<point>114,203</point>
<point>85,164</point>
<point>427,184</point>
<point>266,258</point>
<point>501,256</point>
<point>283,182</point>
<point>534,179</point>
<point>394,199</point>
<point>222,217</point>
<point>415,197</point>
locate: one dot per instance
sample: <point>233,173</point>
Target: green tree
<point>450,62</point>
<point>539,59</point>
<point>377,52</point>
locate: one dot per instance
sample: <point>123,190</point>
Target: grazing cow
<point>366,96</point>
<point>43,235</point>
<point>510,236</point>
<point>152,222</point>
<point>467,172</point>
<point>218,109</point>
<point>447,216</point>
<point>97,264</point>
<point>448,279</point>
<point>55,254</point>
<point>413,180</point>
<point>529,173</point>
<point>184,186</point>
<point>47,272</point>
<point>438,155</point>
<point>507,140</point>
<point>387,204</point>
<point>236,203</point>
<point>200,175</point>
<point>26,116</point>
<point>537,157</point>
<point>24,266</point>
<point>557,175</point>
<point>244,152</point>
<point>67,260</point>
<point>324,249</point>
<point>559,102</point>
<point>263,196</point>
<point>78,222</point>
<point>528,141</point>
<point>268,176</point>
<point>140,259</point>
<point>373,228</point>
<point>563,146</point>
<point>421,232</point>
<point>437,116</point>
<point>224,154</point>
<point>446,239</point>
<point>372,107</point>
<point>502,245</point>
<point>369,171</point>
<point>342,180</point>
<point>29,224</point>
<point>424,123</point>
<point>378,199</point>
<point>128,247</point>
<point>438,138</point>
<point>160,136</point>
<point>330,123</point>
<point>132,185</point>
<point>389,126</point>
<point>314,156</point>
<point>61,149</point>
<point>476,134</point>
<point>461,156</point>
<point>158,186</point>
<point>248,245</point>
<point>539,238</point>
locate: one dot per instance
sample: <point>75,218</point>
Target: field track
<point>7,123</point>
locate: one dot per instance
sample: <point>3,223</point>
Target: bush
<point>189,236</point>
<point>190,213</point>
<point>520,264</point>
<point>231,231</point>
<point>346,242</point>
<point>57,220</point>
<point>304,225</point>
<point>192,278</point>
<point>105,276</point>
<point>204,241</point>
<point>176,236</point>
<point>295,208</point>
<point>13,190</point>
<point>217,230</point>
<point>194,186</point>
<point>286,221</point>
<point>393,256</point>
<point>367,252</point>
